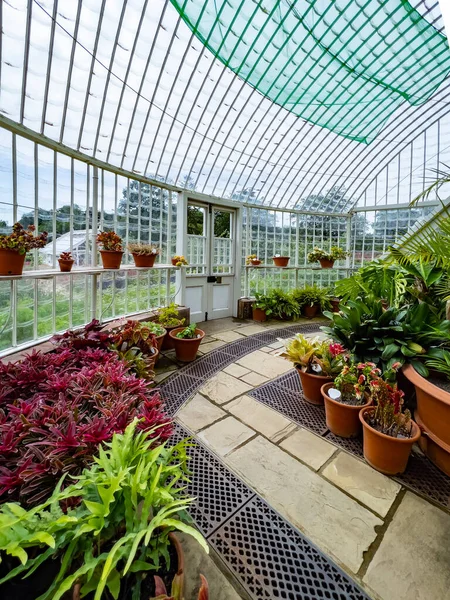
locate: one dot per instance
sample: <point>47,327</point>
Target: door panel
<point>196,299</point>
<point>222,299</point>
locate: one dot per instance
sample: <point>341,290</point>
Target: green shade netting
<point>343,65</point>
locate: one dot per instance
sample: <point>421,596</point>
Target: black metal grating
<point>276,561</point>
<point>426,479</point>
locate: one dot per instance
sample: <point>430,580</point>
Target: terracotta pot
<point>11,262</point>
<point>111,259</point>
<point>433,417</point>
<point>144,260</point>
<point>311,386</point>
<point>167,343</point>
<point>65,266</point>
<point>281,261</point>
<point>160,340</point>
<point>174,262</point>
<point>310,311</point>
<point>186,350</point>
<point>342,419</point>
<point>256,262</point>
<point>384,453</point>
<point>258,314</point>
<point>326,263</point>
<point>335,302</point>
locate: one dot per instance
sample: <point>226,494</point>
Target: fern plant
<point>128,503</point>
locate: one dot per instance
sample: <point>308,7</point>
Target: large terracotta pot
<point>311,386</point>
<point>186,350</point>
<point>310,311</point>
<point>432,415</point>
<point>11,262</point>
<point>111,259</point>
<point>144,260</point>
<point>326,263</point>
<point>65,266</point>
<point>258,314</point>
<point>384,453</point>
<point>160,340</point>
<point>342,419</point>
<point>281,261</point>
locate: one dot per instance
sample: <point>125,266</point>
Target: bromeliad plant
<point>126,505</point>
<point>23,240</point>
<point>315,356</point>
<point>110,241</point>
<point>335,253</point>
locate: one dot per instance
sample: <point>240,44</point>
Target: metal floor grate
<point>265,553</point>
<point>284,395</point>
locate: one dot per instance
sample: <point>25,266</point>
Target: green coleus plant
<point>126,504</point>
<point>188,333</point>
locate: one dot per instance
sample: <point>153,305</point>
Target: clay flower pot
<point>144,260</point>
<point>258,314</point>
<point>310,311</point>
<point>342,419</point>
<point>311,386</point>
<point>384,453</point>
<point>11,262</point>
<point>174,262</point>
<point>65,266</point>
<point>255,262</point>
<point>326,263</point>
<point>111,259</point>
<point>281,261</point>
<point>167,343</point>
<point>160,340</point>
<point>335,302</point>
<point>433,417</point>
<point>185,349</point>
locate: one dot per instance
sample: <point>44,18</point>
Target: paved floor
<point>393,542</point>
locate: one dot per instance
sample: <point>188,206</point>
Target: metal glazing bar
<point>49,64</point>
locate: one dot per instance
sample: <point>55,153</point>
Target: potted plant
<point>347,395</point>
<point>134,337</point>
<point>284,307</point>
<point>144,255</point>
<point>262,307</point>
<point>326,259</point>
<point>111,249</point>
<point>179,261</point>
<point>281,261</point>
<point>186,341</point>
<point>311,299</point>
<point>389,432</point>
<point>158,331</point>
<point>252,259</point>
<point>65,261</point>
<point>168,318</point>
<point>317,362</point>
<point>433,405</point>
<point>15,245</point>
<point>104,531</point>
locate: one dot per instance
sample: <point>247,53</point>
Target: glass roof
<point>130,83</point>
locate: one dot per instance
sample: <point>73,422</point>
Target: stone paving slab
<point>229,336</point>
<point>254,379</point>
<point>260,417</point>
<point>309,448</point>
<point>205,348</point>
<point>370,487</point>
<point>236,370</point>
<point>226,435</point>
<point>251,329</point>
<point>199,413</point>
<point>223,387</point>
<point>336,523</point>
<point>265,364</point>
<point>413,559</point>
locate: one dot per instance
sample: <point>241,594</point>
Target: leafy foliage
<point>188,333</point>
<point>23,240</point>
<point>335,253</point>
<point>155,328</point>
<point>65,256</point>
<point>315,356</point>
<point>283,304</point>
<point>143,249</point>
<point>180,260</point>
<point>168,316</point>
<point>354,382</point>
<point>265,302</point>
<point>56,408</point>
<point>175,593</point>
<point>110,241</point>
<point>128,502</point>
<point>310,295</point>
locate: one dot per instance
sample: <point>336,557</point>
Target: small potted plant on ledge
<point>111,249</point>
<point>65,261</point>
<point>253,260</point>
<point>186,341</point>
<point>347,395</point>
<point>144,255</point>
<point>389,432</point>
<point>262,307</point>
<point>281,261</point>
<point>168,318</point>
<point>317,362</point>
<point>327,259</point>
<point>179,261</point>
<point>14,247</point>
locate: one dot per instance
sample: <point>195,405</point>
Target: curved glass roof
<point>137,85</point>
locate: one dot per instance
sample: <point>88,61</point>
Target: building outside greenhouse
<point>224,300</point>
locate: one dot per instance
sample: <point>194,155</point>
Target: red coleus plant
<point>23,240</point>
<point>55,410</point>
<point>109,241</point>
